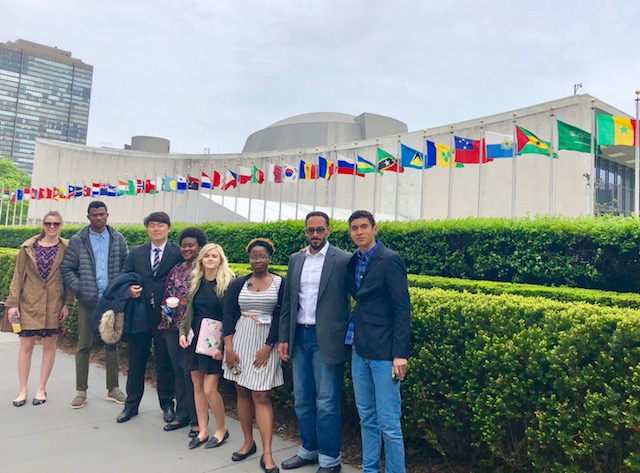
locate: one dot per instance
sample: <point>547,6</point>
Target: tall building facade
<point>44,93</point>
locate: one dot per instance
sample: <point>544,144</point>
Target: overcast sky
<point>208,73</point>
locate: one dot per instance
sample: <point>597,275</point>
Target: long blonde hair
<point>50,213</point>
<point>223,277</point>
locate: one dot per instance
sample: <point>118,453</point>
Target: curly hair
<point>264,243</point>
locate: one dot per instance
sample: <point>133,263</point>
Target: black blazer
<point>153,286</point>
<point>231,310</point>
<point>382,314</point>
<point>333,308</point>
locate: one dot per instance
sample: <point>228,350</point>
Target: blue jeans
<point>317,388</point>
<point>379,407</point>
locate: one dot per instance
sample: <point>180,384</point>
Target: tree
<point>11,179</point>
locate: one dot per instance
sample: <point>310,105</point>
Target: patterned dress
<point>250,336</point>
<point>45,256</point>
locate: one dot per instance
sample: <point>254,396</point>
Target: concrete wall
<point>62,164</point>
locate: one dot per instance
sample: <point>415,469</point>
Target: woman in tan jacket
<point>37,296</point>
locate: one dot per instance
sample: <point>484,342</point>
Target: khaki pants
<point>83,353</point>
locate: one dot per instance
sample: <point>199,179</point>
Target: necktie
<point>156,260</point>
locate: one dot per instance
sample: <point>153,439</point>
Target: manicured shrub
<point>524,383</point>
<point>600,253</point>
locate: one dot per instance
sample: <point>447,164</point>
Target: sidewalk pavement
<point>54,438</point>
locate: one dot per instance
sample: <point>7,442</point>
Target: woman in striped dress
<point>250,328</point>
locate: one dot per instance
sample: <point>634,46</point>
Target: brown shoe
<point>80,400</point>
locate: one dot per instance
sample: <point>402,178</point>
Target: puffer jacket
<point>79,268</point>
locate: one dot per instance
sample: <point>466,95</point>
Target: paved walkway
<point>54,438</point>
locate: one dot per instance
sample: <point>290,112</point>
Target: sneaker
<point>116,396</point>
<point>79,401</point>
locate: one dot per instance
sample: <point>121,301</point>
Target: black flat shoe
<point>193,433</point>
<point>237,456</point>
<point>275,469</point>
<point>214,442</point>
<point>21,402</point>
<point>296,462</point>
<point>170,427</point>
<point>196,442</point>
<point>37,402</point>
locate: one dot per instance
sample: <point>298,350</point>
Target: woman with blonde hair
<point>251,317</point>
<point>38,298</point>
<point>208,284</point>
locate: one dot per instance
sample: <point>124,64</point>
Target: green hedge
<point>524,383</point>
<point>563,294</point>
<point>593,253</point>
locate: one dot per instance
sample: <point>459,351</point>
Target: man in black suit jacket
<point>313,324</point>
<point>377,279</point>
<point>152,261</point>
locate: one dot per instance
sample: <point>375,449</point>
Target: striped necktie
<point>156,260</point>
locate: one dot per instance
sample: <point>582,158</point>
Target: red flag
<point>468,151</point>
<point>217,178</point>
<point>86,191</point>
<point>149,186</point>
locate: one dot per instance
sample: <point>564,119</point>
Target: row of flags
<point>611,131</point>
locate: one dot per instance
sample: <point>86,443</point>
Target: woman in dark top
<point>209,281</point>
<point>38,298</point>
<point>191,240</point>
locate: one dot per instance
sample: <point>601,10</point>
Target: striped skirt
<point>248,339</point>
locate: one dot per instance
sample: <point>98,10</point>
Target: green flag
<point>573,138</point>
<point>131,187</point>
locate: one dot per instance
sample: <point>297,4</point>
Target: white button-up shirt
<point>310,285</point>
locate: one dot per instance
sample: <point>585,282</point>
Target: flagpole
<point>211,180</point>
<point>398,167</point>
<point>298,183</point>
<point>224,191</point>
<point>281,186</point>
<point>266,193</point>
<point>375,180</point>
<point>480,168</point>
<point>355,174</point>
<point>22,203</point>
<point>315,181</point>
<point>551,163</point>
<point>334,184</point>
<point>235,205</point>
<point>15,206</point>
<point>451,159</point>
<point>175,194</point>
<point>1,199</point>
<point>636,194</point>
<point>514,147</point>
<point>422,176</point>
<point>592,194</point>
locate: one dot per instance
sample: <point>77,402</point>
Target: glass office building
<point>44,93</point>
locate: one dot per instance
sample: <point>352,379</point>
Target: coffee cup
<point>172,302</point>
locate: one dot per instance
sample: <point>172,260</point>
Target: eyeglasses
<point>51,224</point>
<point>311,231</point>
<point>254,259</point>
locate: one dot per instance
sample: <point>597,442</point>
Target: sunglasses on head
<point>51,224</point>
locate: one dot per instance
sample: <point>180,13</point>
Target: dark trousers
<point>185,406</point>
<point>139,351</point>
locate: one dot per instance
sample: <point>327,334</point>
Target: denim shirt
<point>100,246</point>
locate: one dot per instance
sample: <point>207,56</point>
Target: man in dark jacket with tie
<point>152,261</point>
<point>380,333</point>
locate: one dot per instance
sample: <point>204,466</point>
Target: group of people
<point>205,323</point>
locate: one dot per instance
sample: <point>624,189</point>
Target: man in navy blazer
<point>313,324</point>
<point>380,333</point>
<point>152,261</point>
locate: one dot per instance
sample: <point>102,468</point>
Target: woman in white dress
<point>250,329</point>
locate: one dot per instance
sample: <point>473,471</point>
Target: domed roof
<point>317,117</point>
<point>310,130</point>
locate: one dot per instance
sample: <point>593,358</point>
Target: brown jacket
<point>39,301</point>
